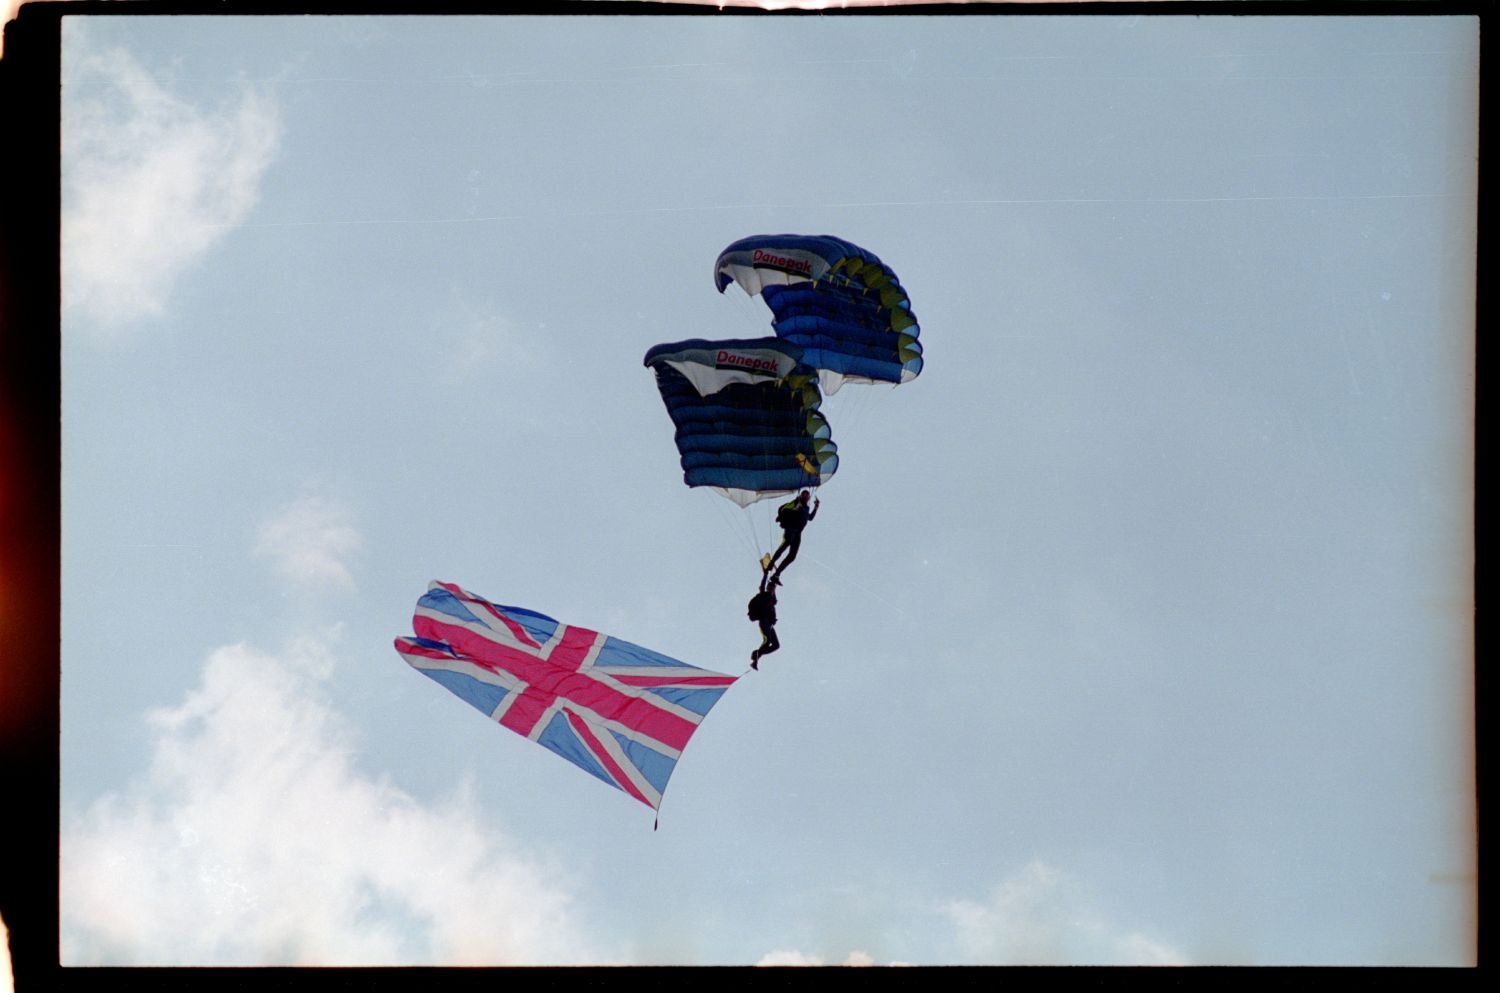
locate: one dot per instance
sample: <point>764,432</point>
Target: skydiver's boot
<point>755,660</point>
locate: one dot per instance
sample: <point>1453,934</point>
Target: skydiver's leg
<point>785,540</point>
<point>791,543</point>
<point>769,642</point>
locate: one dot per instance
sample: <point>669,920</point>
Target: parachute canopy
<point>746,413</point>
<point>618,711</point>
<point>837,301</point>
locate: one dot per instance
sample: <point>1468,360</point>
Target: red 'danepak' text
<point>781,262</point>
<point>749,363</point>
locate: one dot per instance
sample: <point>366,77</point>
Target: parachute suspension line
<point>768,519</point>
<point>757,323</point>
<point>739,525</point>
<point>859,404</point>
<point>756,318</point>
<point>848,409</point>
<point>764,523</point>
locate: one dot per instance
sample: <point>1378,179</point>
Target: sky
<point>1136,630</point>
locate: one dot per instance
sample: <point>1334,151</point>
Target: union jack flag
<point>621,712</point>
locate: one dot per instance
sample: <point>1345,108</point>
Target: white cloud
<point>150,182</point>
<point>253,839</point>
<point>310,540</point>
<point>1039,916</point>
<point>800,958</point>
<point>476,334</point>
<point>788,958</point>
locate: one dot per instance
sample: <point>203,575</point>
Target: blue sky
<point>1136,630</point>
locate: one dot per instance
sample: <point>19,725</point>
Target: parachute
<point>747,417</point>
<point>838,302</point>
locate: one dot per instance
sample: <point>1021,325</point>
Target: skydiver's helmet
<point>803,497</point>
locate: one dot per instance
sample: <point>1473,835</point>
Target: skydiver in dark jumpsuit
<point>762,610</point>
<point>793,516</point>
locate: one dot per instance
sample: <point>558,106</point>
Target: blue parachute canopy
<point>746,413</point>
<point>837,301</point>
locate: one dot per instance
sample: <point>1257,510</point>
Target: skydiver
<point>762,610</point>
<point>793,516</point>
